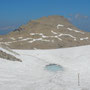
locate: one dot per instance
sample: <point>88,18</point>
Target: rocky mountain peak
<point>46,33</point>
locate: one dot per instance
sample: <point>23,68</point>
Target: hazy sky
<point>13,13</point>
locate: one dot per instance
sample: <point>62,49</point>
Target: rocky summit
<point>46,33</point>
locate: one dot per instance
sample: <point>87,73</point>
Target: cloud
<point>81,21</point>
<point>79,16</point>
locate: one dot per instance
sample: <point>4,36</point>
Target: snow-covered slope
<point>32,75</point>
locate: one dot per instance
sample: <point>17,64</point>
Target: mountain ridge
<point>46,33</point>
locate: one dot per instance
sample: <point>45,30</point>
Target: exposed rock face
<point>46,33</point>
<point>8,56</point>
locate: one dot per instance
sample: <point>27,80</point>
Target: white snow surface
<point>31,74</point>
<point>20,37</point>
<point>77,31</point>
<point>59,25</point>
<point>86,38</point>
<point>13,38</point>
<point>56,35</point>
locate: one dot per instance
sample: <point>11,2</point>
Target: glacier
<point>30,74</point>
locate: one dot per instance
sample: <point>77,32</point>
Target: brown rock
<point>46,33</point>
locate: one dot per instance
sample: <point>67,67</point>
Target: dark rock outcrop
<point>8,56</point>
